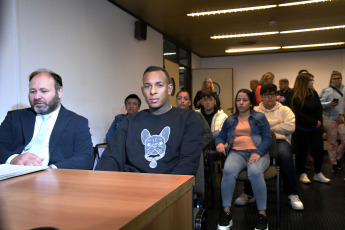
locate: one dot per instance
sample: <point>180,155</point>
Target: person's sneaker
<point>225,221</point>
<point>295,202</point>
<point>261,223</point>
<point>319,177</point>
<point>244,199</point>
<point>334,169</point>
<point>304,178</point>
<point>340,168</point>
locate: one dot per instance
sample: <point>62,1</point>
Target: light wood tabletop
<point>82,199</point>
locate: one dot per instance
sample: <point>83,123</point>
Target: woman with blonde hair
<point>308,112</point>
<point>330,99</point>
<point>207,87</point>
<point>267,78</point>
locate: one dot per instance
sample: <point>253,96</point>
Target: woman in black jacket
<point>308,111</point>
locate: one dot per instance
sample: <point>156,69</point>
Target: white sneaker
<point>321,178</point>
<point>244,199</point>
<point>295,202</point>
<point>304,179</point>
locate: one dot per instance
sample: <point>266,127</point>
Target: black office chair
<point>213,160</point>
<point>273,171</point>
<point>97,151</point>
<point>199,207</point>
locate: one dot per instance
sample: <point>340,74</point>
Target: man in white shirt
<point>214,116</point>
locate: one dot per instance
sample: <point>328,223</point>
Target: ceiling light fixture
<point>313,29</point>
<point>303,2</point>
<point>276,32</point>
<point>254,8</point>
<point>231,10</point>
<point>169,54</point>
<point>243,50</point>
<point>244,35</point>
<point>251,49</point>
<point>313,45</point>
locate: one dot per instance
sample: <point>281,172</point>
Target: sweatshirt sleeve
<point>191,147</point>
<point>288,122</point>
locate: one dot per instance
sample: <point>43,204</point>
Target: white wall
<point>283,65</point>
<point>90,43</point>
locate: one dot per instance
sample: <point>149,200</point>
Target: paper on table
<point>8,170</point>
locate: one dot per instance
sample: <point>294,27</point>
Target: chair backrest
<point>273,149</point>
<point>199,187</point>
<point>97,151</point>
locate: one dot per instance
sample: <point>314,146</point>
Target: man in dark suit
<point>66,139</point>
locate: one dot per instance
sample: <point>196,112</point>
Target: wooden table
<point>81,199</point>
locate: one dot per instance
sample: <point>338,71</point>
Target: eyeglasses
<point>311,80</point>
<point>269,94</point>
<point>336,79</point>
<point>208,99</point>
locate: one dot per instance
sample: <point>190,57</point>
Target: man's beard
<point>48,107</point>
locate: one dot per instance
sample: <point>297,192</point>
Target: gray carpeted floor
<point>324,205</point>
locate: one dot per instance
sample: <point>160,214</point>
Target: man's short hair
<point>155,69</point>
<point>268,88</point>
<point>284,80</point>
<point>134,96</point>
<point>57,78</point>
<point>208,95</point>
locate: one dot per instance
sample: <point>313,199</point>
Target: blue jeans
<point>287,169</point>
<point>234,164</point>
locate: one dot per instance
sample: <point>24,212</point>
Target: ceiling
<point>193,33</point>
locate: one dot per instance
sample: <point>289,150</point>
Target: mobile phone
<point>335,100</point>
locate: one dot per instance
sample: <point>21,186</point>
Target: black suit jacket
<point>70,144</point>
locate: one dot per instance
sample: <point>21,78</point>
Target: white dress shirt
<point>44,152</point>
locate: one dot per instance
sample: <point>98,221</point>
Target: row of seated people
<point>162,139</point>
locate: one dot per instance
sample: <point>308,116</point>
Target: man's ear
<point>60,91</point>
<point>170,89</point>
<point>142,91</point>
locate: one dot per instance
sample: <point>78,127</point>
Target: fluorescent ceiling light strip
<point>252,49</point>
<point>231,10</point>
<point>276,32</point>
<point>254,8</point>
<point>303,2</point>
<point>168,54</point>
<point>313,29</point>
<point>314,45</point>
<point>241,50</point>
<point>244,35</point>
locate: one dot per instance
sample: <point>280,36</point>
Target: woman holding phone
<point>330,99</point>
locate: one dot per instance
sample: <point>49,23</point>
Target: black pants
<point>300,142</point>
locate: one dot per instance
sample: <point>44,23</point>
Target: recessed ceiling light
<point>302,2</point>
<point>314,45</point>
<point>244,35</point>
<point>313,29</point>
<point>276,32</point>
<point>243,50</point>
<point>253,8</point>
<point>231,10</point>
<point>169,54</point>
<point>239,50</point>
